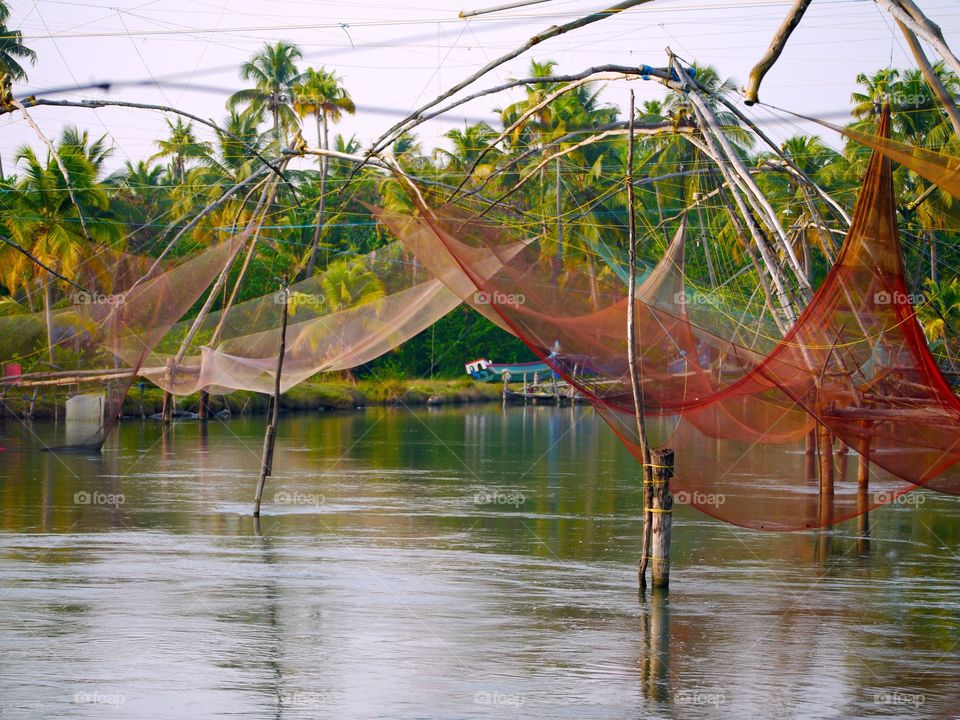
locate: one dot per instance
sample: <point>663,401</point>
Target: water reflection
<point>451,563</point>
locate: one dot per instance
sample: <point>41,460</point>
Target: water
<point>453,563</point>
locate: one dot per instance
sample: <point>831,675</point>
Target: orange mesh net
<point>856,360</point>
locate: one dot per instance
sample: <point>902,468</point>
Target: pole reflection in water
<point>655,662</point>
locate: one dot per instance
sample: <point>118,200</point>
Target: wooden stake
<point>166,413</point>
<point>203,409</point>
<point>662,522</point>
<point>632,357</point>
<point>826,475</point>
<point>266,465</point>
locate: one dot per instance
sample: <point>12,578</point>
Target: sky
<point>396,54</point>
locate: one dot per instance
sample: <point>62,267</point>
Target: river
<point>470,562</point>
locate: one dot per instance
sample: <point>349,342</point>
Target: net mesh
<point>856,359</point>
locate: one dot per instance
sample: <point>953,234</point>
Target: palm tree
<point>321,94</point>
<point>348,283</point>
<point>273,71</point>
<point>12,49</point>
<point>44,220</point>
<point>940,315</point>
<point>181,146</point>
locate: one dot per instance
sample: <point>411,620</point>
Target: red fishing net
<point>856,360</point>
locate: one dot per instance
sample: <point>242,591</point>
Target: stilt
<point>826,460</point>
<point>166,414</point>
<point>661,523</point>
<point>810,453</point>
<point>266,464</point>
<point>826,475</point>
<point>863,492</point>
<point>841,469</point>
<point>203,408</point>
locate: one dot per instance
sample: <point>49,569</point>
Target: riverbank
<point>323,396</point>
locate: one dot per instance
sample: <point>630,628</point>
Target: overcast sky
<point>395,54</point>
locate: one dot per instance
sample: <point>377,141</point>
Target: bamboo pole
<point>910,15</point>
<point>773,52</point>
<point>551,32</point>
<point>932,80</point>
<point>786,304</point>
<point>266,464</point>
<point>751,190</point>
<point>635,384</point>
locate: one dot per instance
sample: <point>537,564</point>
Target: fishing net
<point>99,342</point>
<point>350,314</point>
<point>856,360</point>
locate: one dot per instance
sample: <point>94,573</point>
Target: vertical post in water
<point>661,523</point>
<point>863,490</point>
<point>266,465</point>
<point>203,409</point>
<point>646,475</point>
<point>166,412</point>
<point>826,474</point>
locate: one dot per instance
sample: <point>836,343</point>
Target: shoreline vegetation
<point>309,395</point>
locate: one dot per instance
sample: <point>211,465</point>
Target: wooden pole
<point>662,514</point>
<point>863,491</point>
<point>266,465</point>
<point>166,413</point>
<point>203,409</point>
<point>826,475</point>
<point>772,54</point>
<point>646,475</point>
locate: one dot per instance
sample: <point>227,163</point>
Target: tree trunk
<point>48,319</point>
<point>931,236</point>
<point>324,139</point>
